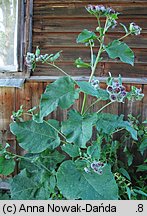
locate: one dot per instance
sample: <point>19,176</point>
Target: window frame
<point>24,40</point>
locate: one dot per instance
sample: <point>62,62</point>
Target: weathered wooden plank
<point>70,54</point>
<point>78,9</point>
<point>78,78</point>
<point>87,1</point>
<point>144,103</point>
<point>7,98</point>
<point>37,90</point>
<point>68,67</point>
<point>126,70</point>
<point>78,24</point>
<point>102,70</point>
<point>7,106</point>
<point>47,40</point>
<point>23,97</point>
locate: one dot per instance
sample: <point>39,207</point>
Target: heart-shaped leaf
<point>36,137</point>
<point>7,166</point>
<point>60,93</point>
<point>108,123</point>
<point>78,128</point>
<point>77,184</point>
<point>85,36</point>
<point>87,88</point>
<point>121,50</point>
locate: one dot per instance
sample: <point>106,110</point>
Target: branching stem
<point>91,105</point>
<point>55,129</point>
<point>26,158</point>
<point>104,106</point>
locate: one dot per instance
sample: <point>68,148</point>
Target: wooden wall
<point>56,25</point>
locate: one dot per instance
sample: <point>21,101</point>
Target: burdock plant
<point>64,159</point>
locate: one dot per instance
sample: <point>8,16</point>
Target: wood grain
<point>56,25</point>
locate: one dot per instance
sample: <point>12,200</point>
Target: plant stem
<point>118,130</point>
<point>104,106</point>
<point>85,96</point>
<point>93,67</point>
<point>58,69</point>
<point>99,51</point>
<point>96,62</point>
<point>83,104</point>
<point>92,105</point>
<point>25,158</point>
<point>64,142</point>
<point>91,49</point>
<point>83,158</point>
<point>99,23</point>
<point>126,35</point>
<point>55,129</point>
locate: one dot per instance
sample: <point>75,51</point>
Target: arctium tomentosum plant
<point>64,160</point>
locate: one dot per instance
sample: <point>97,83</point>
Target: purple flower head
<point>113,97</point>
<point>93,165</point>
<point>114,24</point>
<point>122,88</point>
<point>95,83</point>
<point>90,7</point>
<point>30,58</point>
<point>134,29</point>
<point>117,90</point>
<point>100,164</point>
<point>100,172</point>
<point>123,93</point>
<point>97,167</point>
<point>135,94</point>
<point>109,88</point>
<point>117,84</point>
<point>110,10</point>
<point>86,170</point>
<point>100,10</point>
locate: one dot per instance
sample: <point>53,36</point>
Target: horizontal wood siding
<point>56,25</point>
<point>29,96</point>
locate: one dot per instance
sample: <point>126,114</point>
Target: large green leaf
<point>77,184</point>
<point>7,166</point>
<point>87,88</point>
<point>28,162</point>
<point>118,49</point>
<point>108,123</point>
<point>125,173</point>
<point>142,168</point>
<point>51,159</point>
<point>4,196</point>
<point>22,187</point>
<point>143,145</point>
<point>85,36</point>
<point>94,151</point>
<point>140,192</point>
<point>72,150</point>
<point>36,137</point>
<point>78,128</point>
<point>26,187</point>
<point>60,93</point>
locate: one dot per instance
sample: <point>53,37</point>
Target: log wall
<point>56,25</point>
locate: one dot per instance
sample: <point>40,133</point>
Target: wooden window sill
<point>142,80</point>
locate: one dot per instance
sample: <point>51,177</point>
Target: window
<point>15,33</point>
<point>8,35</point>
